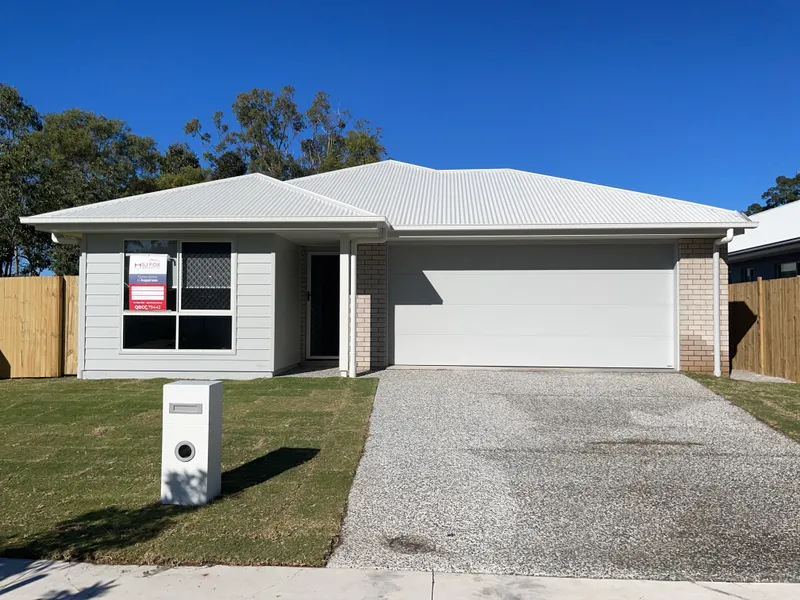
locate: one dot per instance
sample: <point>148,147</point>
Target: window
<point>148,332</point>
<point>139,247</point>
<point>206,276</point>
<point>177,295</point>
<point>748,274</point>
<point>788,269</point>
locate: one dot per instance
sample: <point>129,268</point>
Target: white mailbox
<point>191,447</point>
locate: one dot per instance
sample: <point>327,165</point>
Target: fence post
<point>761,320</point>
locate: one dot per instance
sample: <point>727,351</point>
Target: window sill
<point>136,351</point>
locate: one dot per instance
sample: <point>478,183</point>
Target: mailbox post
<point>191,447</point>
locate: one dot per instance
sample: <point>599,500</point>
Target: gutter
<point>595,227</point>
<point>715,270</point>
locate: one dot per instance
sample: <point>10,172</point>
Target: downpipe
<point>715,274</point>
<point>351,363</point>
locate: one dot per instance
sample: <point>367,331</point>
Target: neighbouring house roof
<point>407,197</point>
<point>413,197</point>
<point>248,198</point>
<point>776,226</point>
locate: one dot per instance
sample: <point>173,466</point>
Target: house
<point>396,264</point>
<point>772,251</point>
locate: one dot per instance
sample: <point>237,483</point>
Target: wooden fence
<point>765,327</point>
<point>38,326</point>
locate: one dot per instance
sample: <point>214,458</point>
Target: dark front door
<point>323,290</point>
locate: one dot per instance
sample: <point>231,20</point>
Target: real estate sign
<point>147,282</point>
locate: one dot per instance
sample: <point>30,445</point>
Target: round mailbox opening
<point>184,451</point>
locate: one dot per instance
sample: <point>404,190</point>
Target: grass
<point>776,404</point>
<point>80,470</point>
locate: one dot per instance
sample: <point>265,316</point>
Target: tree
<point>753,209</point>
<point>331,146</point>
<point>276,138</point>
<point>785,190</point>
<point>18,121</point>
<point>176,158</point>
<point>178,166</point>
<point>75,158</point>
<point>229,164</point>
<point>187,176</point>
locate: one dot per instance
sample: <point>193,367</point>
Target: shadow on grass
<point>264,468</point>
<point>87,535</point>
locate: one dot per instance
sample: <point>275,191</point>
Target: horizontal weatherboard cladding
<point>253,262</point>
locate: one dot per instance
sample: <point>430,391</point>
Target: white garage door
<point>559,305</point>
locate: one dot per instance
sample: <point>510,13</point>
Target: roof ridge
<point>153,193</point>
<point>480,170</point>
<point>408,164</point>
<point>320,197</point>
<point>372,164</point>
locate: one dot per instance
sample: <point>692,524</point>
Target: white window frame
<point>231,312</point>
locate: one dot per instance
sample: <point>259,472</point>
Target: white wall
<point>287,304</point>
<point>253,265</point>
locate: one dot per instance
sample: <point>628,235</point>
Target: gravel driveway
<point>571,474</point>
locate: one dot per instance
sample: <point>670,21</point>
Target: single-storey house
<point>396,264</point>
<point>772,251</point>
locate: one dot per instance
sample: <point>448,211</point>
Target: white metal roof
<point>413,197</point>
<point>409,198</point>
<point>253,197</point>
<point>776,226</point>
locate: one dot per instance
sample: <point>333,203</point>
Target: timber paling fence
<point>38,326</point>
<point>765,327</point>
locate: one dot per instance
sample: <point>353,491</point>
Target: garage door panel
<point>580,305</point>
<point>538,257</point>
<point>534,287</point>
<point>538,351</point>
<point>519,320</point>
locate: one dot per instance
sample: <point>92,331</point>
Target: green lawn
<point>80,468</point>
<point>777,404</point>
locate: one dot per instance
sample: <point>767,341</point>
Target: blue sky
<point>694,100</point>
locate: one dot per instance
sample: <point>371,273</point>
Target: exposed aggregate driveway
<point>580,474</point>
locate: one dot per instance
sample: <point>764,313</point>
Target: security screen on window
<point>206,276</point>
<point>197,313</point>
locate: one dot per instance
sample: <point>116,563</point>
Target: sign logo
<point>147,282</point>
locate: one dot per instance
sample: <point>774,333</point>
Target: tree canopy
<point>785,190</point>
<point>275,137</point>
<point>75,157</point>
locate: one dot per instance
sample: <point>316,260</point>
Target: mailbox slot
<point>184,408</point>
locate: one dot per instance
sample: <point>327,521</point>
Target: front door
<point>323,306</point>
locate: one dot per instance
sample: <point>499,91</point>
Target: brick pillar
<point>696,302</point>
<point>371,308</point>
